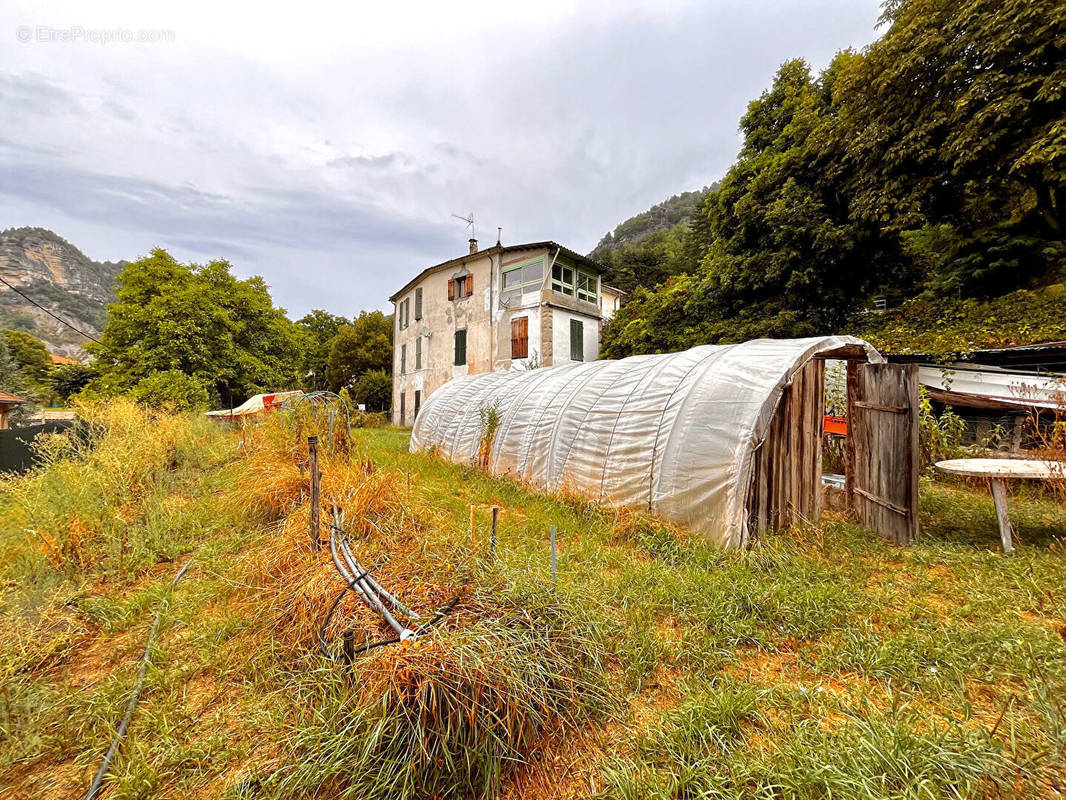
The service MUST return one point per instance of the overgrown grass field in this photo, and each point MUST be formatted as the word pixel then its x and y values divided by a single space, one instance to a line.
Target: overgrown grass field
pixel 823 662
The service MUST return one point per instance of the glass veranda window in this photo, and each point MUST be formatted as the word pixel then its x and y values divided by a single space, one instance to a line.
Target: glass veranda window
pixel 522 278
pixel 563 279
pixel 586 287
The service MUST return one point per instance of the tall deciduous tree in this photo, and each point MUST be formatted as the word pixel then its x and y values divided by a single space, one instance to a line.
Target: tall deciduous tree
pixel 364 345
pixel 956 117
pixel 933 163
pixel 197 321
pixel 30 354
pixel 13 380
pixel 321 327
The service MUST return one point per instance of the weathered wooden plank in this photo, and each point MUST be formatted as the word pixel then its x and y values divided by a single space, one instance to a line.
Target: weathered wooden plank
pixel 884 438
pixel 879 407
pixel 849 440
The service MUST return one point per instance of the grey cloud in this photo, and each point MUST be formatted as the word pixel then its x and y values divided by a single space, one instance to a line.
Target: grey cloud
pixel 34 93
pixel 268 216
pixel 559 132
pixel 370 162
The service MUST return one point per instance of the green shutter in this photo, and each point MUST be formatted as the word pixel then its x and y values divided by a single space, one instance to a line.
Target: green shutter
pixel 418 304
pixel 418 352
pixel 403 359
pixel 460 348
pixel 577 340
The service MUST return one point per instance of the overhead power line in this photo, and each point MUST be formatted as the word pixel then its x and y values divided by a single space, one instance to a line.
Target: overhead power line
pixel 49 313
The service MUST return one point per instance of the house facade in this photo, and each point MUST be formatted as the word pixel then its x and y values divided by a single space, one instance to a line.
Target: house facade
pixel 505 307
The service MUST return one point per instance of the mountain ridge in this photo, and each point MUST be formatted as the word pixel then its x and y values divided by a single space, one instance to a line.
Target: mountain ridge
pixel 53 272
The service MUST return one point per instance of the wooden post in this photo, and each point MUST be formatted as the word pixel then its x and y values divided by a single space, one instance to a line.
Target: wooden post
pixel 349 646
pixel 854 430
pixel 1006 532
pixel 473 538
pixel 555 565
pixel 492 538
pixel 316 477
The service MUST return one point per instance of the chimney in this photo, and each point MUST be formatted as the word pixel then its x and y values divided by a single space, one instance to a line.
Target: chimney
pixel 473 246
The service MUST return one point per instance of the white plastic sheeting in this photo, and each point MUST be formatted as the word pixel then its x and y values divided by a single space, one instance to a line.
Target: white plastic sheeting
pixel 671 433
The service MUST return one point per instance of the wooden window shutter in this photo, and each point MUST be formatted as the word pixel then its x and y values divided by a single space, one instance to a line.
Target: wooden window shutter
pixel 460 348
pixel 577 340
pixel 469 285
pixel 451 289
pixel 418 303
pixel 520 337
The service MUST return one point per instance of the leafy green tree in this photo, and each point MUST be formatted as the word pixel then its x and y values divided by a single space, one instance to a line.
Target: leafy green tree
pixel 373 389
pixel 200 321
pixel 13 381
pixel 364 345
pixel 933 163
pixel 69 379
pixel 321 327
pixel 30 354
pixel 647 261
pixel 955 117
pixel 172 390
pixel 957 112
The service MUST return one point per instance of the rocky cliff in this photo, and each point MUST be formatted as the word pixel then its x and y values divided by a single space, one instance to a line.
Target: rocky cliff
pixel 61 278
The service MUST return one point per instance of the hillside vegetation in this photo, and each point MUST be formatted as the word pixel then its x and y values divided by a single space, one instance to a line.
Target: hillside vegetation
pixel 821 662
pixel 648 248
pixel 929 167
pixel 57 275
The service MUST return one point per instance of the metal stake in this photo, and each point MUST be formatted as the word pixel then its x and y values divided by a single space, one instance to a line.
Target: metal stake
pixel 492 538
pixel 316 477
pixel 555 566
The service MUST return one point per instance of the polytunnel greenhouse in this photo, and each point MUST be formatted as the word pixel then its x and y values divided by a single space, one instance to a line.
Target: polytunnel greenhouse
pixel 724 439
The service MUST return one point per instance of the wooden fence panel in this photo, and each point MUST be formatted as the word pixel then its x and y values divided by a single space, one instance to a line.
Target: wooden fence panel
pixel 787 475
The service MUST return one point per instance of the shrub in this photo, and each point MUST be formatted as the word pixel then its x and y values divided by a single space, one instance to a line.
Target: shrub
pixel 172 390
pixel 373 390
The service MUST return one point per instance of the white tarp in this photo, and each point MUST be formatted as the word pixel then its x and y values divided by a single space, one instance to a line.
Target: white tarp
pixel 255 404
pixel 671 433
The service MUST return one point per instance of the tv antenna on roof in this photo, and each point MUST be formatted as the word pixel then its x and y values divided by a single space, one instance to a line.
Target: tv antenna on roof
pixel 469 221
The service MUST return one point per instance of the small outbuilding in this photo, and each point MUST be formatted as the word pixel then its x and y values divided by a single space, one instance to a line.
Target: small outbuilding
pixel 724 439
pixel 8 403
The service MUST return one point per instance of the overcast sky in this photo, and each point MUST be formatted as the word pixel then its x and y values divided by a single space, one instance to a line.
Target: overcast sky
pixel 325 145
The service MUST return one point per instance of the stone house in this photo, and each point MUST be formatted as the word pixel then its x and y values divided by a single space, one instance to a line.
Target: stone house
pixel 505 307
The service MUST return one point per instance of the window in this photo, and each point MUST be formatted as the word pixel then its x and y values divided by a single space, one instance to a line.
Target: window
pixel 460 287
pixel 574 282
pixel 403 359
pixel 405 313
pixel 563 279
pixel 418 303
pixel 403 408
pixel 418 402
pixel 521 278
pixel 460 348
pixel 520 337
pixel 586 287
pixel 418 353
pixel 577 340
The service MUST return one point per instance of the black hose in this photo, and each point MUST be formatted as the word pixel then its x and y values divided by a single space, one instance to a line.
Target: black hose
pixel 94 789
pixel 366 648
pixel 322 646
